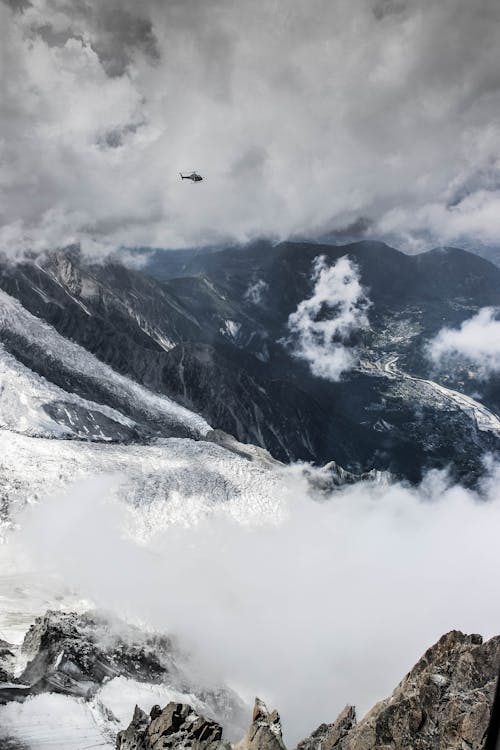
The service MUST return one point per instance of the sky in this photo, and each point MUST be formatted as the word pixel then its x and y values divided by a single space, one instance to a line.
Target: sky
pixel 306 118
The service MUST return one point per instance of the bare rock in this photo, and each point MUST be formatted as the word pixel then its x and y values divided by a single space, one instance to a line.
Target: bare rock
pixel 443 703
pixel 134 737
pixel 75 653
pixel 264 732
pixel 177 726
pixel 330 736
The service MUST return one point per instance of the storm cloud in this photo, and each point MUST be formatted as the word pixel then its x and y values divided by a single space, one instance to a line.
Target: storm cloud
pixel 306 118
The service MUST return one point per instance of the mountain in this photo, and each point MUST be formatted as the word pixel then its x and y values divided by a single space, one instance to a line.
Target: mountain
pixel 212 341
pixel 100 665
pixel 103 667
pixel 444 703
pixel 137 400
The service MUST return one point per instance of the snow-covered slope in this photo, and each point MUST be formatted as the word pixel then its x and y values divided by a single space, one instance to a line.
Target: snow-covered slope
pixel 52 722
pixel 54 443
pixel 69 358
pixel 174 479
pixel 32 405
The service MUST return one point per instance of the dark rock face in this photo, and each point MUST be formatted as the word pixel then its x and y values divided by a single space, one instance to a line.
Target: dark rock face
pixel 176 726
pixel 76 654
pixel 444 703
pixel 6 661
pixel 179 726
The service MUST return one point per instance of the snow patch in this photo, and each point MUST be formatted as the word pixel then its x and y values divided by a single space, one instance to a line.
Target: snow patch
pixel 230 328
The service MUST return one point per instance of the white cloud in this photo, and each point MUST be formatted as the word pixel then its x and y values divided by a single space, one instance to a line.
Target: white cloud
pixel 330 603
pixel 302 116
pixel 323 325
pixel 256 292
pixel 476 340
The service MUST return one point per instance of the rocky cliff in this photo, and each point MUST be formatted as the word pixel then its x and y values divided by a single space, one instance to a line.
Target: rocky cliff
pixel 443 703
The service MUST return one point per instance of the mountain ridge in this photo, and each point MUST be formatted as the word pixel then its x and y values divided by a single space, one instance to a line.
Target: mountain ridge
pixel 204 341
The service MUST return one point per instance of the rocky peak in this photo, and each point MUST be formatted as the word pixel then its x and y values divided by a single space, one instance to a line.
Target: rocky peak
pixel 180 726
pixel 73 654
pixel 329 736
pixel 78 654
pixel 264 732
pixel 176 726
pixel 443 703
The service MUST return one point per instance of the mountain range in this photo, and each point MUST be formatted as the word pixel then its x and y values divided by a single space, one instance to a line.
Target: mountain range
pixel 209 331
pixel 174 384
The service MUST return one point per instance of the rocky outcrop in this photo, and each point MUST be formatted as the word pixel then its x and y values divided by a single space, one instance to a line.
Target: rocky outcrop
pixel 329 736
pixel 76 654
pixel 6 661
pixel 264 732
pixel 444 703
pixel 176 726
pixel 73 654
pixel 179 726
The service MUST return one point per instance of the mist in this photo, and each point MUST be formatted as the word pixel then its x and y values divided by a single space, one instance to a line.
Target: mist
pixel 329 602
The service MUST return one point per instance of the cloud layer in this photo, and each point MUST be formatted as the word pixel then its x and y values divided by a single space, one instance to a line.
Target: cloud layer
pixel 477 341
pixel 304 117
pixel 331 603
pixel 323 326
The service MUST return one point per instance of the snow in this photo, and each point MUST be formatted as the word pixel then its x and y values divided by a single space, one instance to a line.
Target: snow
pixel 175 480
pixel 23 395
pixel 231 328
pixel 256 292
pixel 15 318
pixel 121 695
pixel 53 722
pixel 172 481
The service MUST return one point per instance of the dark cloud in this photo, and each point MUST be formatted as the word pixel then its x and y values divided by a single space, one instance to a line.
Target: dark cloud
pixel 17 5
pixel 316 113
pixel 113 32
pixel 119 35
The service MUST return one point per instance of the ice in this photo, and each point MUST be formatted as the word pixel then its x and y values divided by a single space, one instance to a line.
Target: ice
pixel 121 695
pixel 53 722
pixel 15 318
pixel 23 395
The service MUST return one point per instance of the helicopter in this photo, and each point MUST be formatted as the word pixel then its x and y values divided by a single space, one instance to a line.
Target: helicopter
pixel 194 176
